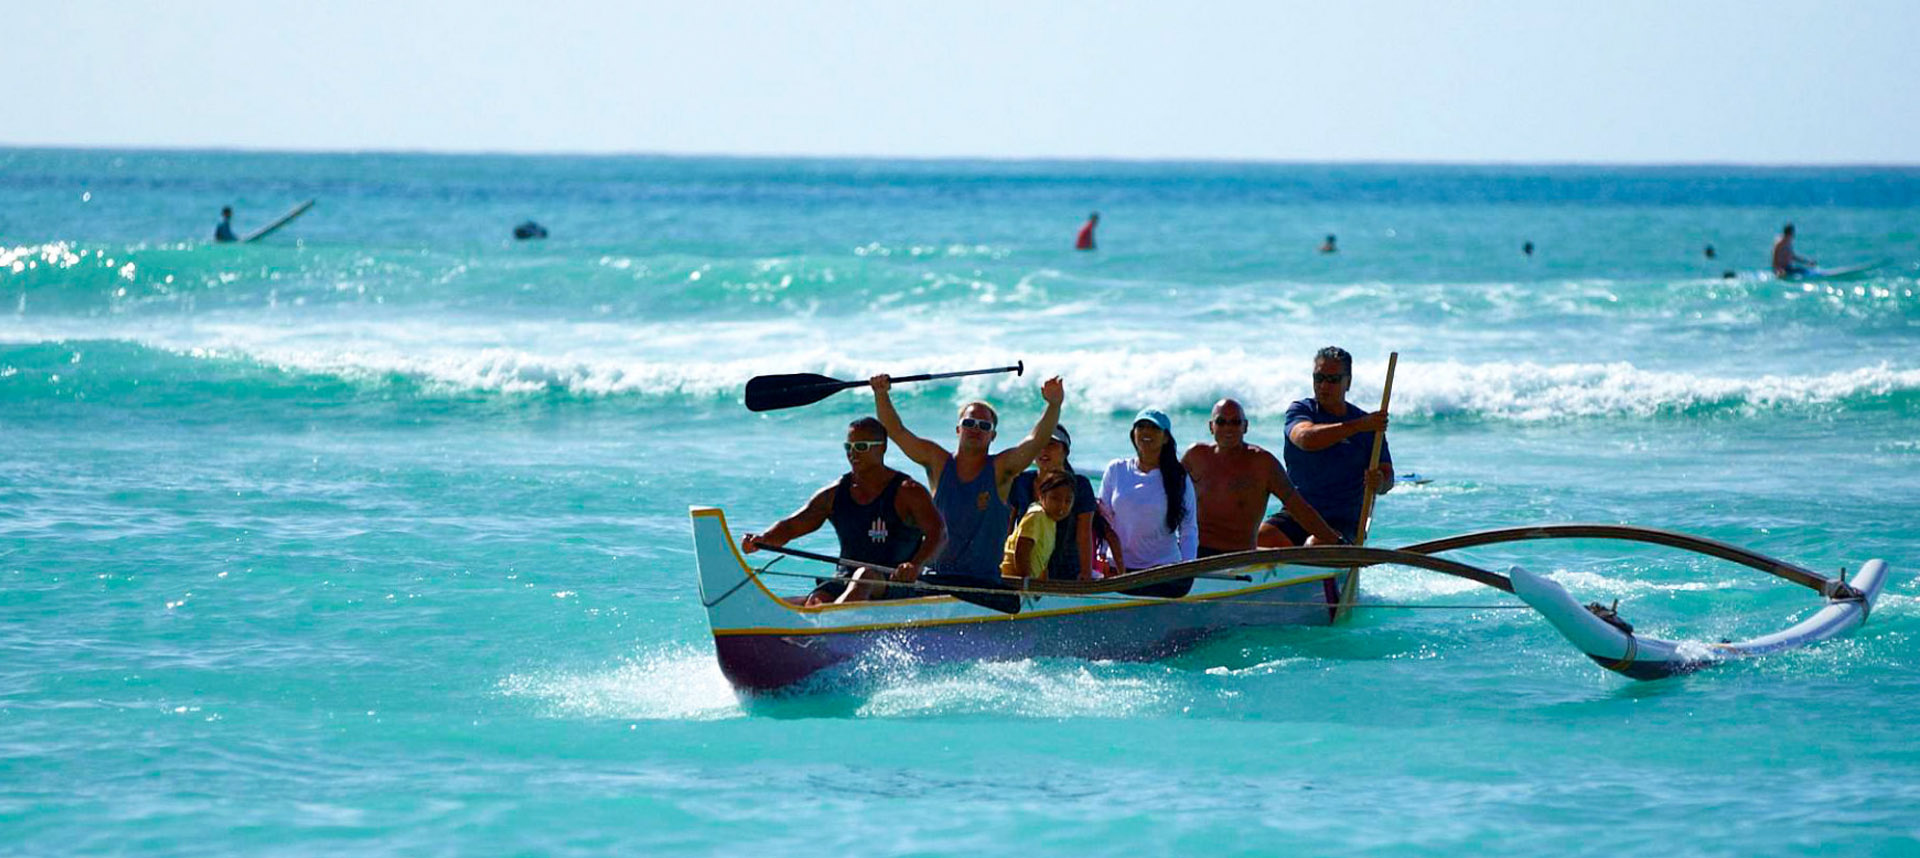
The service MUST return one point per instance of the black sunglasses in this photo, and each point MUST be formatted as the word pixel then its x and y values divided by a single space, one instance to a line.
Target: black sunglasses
pixel 1229 421
pixel 1328 377
pixel 862 446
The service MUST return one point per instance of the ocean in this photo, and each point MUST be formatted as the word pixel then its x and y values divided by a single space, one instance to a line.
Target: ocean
pixel 372 537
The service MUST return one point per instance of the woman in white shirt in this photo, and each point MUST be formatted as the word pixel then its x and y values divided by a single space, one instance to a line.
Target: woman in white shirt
pixel 1152 502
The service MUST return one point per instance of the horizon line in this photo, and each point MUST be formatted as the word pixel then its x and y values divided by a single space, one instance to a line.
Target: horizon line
pixel 1062 159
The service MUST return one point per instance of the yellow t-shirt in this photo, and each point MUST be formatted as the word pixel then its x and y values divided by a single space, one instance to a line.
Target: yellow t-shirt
pixel 1039 527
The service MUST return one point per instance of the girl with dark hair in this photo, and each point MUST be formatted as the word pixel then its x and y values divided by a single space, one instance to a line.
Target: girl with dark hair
pixel 1152 500
pixel 1074 552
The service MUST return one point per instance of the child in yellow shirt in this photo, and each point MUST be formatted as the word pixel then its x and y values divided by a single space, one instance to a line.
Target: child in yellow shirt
pixel 1030 545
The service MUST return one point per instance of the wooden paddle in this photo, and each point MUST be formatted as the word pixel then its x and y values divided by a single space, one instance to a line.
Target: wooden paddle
pixel 772 392
pixel 1350 587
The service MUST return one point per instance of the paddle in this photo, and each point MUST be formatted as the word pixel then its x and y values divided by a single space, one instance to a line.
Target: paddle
pixel 771 392
pixel 1352 583
pixel 982 593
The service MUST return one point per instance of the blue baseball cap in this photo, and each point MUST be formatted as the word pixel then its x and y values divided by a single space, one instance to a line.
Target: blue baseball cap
pixel 1156 417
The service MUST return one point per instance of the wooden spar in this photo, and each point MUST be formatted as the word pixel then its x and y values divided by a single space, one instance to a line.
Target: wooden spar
pixel 1350 587
pixel 1815 581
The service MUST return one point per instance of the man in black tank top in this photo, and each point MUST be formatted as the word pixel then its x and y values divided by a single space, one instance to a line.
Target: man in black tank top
pixel 882 517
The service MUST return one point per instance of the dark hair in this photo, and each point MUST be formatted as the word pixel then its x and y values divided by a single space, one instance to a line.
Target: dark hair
pixel 1173 478
pixel 869 424
pixel 1053 480
pixel 1336 353
pixel 1788 229
pixel 226 211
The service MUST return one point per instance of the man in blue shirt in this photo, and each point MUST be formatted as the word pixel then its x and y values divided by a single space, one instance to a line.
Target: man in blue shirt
pixel 1329 445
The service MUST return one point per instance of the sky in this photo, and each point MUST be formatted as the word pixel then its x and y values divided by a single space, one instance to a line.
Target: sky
pixel 1682 81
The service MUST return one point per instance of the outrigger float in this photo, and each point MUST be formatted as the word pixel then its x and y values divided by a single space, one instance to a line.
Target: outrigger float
pixel 766 642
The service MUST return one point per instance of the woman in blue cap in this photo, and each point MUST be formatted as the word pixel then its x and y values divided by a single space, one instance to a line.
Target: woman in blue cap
pixel 1153 504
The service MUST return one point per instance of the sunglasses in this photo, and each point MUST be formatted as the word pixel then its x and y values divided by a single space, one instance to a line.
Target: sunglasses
pixel 862 446
pixel 972 423
pixel 1328 377
pixel 1229 421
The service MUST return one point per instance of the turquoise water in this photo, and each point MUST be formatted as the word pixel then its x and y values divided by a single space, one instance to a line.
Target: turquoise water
pixel 372 538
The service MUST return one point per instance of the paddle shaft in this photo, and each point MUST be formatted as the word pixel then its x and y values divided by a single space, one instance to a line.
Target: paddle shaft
pixel 1366 501
pixel 1017 369
pixel 842 561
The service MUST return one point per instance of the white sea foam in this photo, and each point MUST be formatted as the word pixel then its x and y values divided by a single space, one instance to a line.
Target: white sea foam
pixel 713 359
pixel 1029 689
pixel 678 684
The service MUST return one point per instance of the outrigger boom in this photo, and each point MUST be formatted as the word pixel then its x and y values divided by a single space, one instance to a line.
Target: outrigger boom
pixel 766 642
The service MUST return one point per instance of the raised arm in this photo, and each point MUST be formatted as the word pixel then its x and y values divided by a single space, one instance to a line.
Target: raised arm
pixel 922 451
pixel 807 520
pixel 1018 457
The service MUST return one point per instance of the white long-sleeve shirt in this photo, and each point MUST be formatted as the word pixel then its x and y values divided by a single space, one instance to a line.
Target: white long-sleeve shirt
pixel 1139 502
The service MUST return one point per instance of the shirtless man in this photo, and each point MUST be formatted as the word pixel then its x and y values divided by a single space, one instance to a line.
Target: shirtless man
pixel 1231 482
pixel 881 515
pixel 1785 262
pixel 970 484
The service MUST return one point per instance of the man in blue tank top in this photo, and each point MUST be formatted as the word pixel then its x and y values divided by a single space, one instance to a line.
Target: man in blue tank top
pixel 881 515
pixel 970 484
pixel 1329 445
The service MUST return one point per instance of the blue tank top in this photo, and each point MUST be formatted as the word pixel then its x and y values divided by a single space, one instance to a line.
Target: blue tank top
pixel 977 521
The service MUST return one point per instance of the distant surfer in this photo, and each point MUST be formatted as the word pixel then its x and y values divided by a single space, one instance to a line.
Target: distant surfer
pixel 1527 249
pixel 529 230
pixel 224 232
pixel 1711 253
pixel 1785 262
pixel 1330 246
pixel 1085 241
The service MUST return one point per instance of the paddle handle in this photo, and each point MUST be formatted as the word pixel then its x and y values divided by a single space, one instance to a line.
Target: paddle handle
pixel 1373 461
pixel 1019 368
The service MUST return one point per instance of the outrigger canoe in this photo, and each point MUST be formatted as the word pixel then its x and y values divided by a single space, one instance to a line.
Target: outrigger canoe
pixel 765 642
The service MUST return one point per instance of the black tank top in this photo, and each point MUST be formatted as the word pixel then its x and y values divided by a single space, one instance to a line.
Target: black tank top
pixel 873 533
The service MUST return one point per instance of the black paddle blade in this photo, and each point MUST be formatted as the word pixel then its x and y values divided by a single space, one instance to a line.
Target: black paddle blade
pixel 773 392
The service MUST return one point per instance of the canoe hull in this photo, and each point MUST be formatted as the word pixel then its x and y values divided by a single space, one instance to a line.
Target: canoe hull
pixel 765 643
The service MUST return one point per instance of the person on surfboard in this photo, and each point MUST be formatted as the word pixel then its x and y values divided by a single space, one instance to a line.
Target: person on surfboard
pixel 224 232
pixel 881 515
pixel 1329 441
pixel 1232 481
pixel 1785 262
pixel 970 484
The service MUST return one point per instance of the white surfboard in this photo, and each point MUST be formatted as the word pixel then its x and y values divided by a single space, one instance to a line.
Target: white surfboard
pixel 284 219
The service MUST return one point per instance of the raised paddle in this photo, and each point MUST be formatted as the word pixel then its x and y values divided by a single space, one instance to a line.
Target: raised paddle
pixel 773 392
pixel 1352 582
